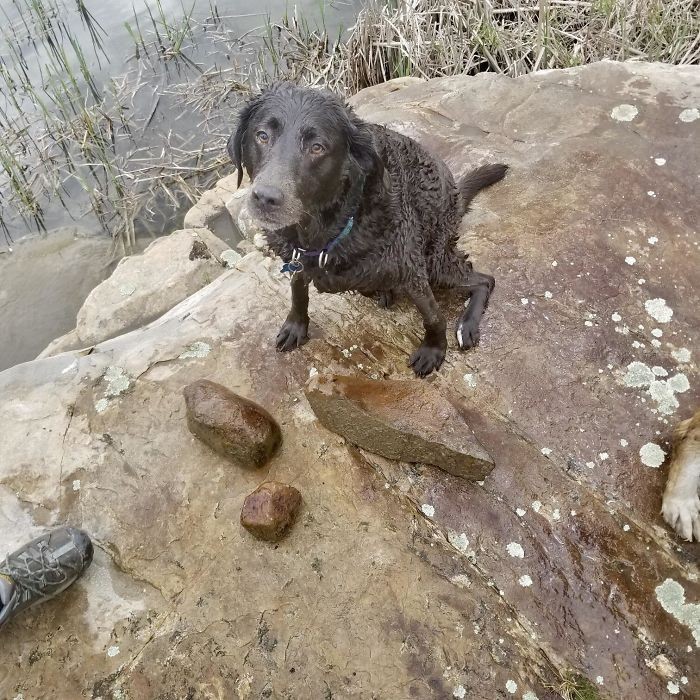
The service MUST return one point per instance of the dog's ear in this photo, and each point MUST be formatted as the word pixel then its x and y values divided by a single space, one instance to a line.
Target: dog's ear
pixel 364 152
pixel 234 146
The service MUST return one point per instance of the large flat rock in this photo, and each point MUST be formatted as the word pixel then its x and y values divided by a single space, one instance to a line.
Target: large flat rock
pixel 402 420
pixel 399 581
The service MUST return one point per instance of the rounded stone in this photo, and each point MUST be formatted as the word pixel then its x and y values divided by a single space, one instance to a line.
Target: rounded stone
pixel 269 511
pixel 231 425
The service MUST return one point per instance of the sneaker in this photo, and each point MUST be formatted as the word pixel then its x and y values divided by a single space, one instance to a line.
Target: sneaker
pixel 42 568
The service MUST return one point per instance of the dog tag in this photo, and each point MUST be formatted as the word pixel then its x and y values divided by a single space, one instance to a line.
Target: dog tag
pixel 292 267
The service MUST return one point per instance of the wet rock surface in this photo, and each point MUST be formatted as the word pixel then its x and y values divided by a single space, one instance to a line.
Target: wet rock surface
pixel 402 420
pixel 231 425
pixel 559 562
pixel 270 510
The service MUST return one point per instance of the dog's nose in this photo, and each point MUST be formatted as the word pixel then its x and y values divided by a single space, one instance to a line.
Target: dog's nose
pixel 267 195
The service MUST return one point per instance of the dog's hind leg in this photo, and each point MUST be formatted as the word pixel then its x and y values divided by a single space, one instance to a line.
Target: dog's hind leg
pixel 459 274
pixel 430 354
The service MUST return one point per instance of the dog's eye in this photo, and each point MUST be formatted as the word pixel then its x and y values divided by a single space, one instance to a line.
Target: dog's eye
pixel 317 148
pixel 262 137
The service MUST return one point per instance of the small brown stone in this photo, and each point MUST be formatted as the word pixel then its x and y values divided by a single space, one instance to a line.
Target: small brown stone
pixel 270 510
pixel 231 425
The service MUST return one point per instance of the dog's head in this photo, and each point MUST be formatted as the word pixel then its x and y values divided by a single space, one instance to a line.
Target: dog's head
pixel 301 148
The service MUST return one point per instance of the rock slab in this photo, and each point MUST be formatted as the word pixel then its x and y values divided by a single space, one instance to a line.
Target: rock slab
pixel 270 510
pixel 407 421
pixel 231 425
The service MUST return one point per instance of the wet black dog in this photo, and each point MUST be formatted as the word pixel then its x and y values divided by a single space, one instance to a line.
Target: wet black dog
pixel 353 206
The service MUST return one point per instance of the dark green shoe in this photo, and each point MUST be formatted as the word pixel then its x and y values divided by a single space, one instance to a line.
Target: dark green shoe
pixel 42 569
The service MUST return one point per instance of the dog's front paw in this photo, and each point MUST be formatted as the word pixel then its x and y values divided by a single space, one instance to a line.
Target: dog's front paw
pixel 426 359
pixel 467 335
pixel 292 335
pixel 682 513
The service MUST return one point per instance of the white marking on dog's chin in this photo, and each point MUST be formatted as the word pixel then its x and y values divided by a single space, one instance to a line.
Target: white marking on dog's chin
pixel 459 337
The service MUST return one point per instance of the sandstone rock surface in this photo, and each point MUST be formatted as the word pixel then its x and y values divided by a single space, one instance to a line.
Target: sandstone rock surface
pixel 404 420
pixel 231 425
pixel 270 510
pixel 559 562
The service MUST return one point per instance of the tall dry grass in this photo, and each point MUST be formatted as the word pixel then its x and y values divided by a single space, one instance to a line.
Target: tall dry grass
pixel 433 38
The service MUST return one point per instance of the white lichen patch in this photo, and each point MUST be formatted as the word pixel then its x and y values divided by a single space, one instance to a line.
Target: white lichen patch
pixel 653 240
pixel 470 381
pixel 616 317
pixel 524 301
pixel 623 442
pixel 599 680
pixel 525 581
pixel 546 451
pixel 652 455
pixel 112 651
pixel 689 115
pixel 651 193
pixel 603 456
pixel 458 541
pixel 428 510
pixel 126 290
pixel 118 381
pixel 76 484
pixel 590 465
pixel 622 329
pixel 511 687
pixel 679 383
pixel 662 391
pixel 589 324
pixel 313 372
pixel 102 405
pixel 230 257
pixel 530 696
pixel 657 332
pixel 658 310
pixel 459 692
pixel 548 295
pixel 626 528
pixel 681 355
pixel 655 343
pixel 461 581
pixel 660 161
pixel 624 113
pixel 198 349
pixel 556 514
pixel 520 512
pixel 630 260
pixel 515 550
pixel 536 505
pixel 673 688
pixel 638 375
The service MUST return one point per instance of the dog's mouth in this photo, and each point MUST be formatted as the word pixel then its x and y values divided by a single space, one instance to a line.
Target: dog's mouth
pixel 272 219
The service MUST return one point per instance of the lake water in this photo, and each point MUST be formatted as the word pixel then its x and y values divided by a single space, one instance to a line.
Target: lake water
pixel 40 290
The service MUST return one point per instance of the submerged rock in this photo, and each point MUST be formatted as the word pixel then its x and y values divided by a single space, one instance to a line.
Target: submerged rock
pixel 231 425
pixel 403 420
pixel 269 511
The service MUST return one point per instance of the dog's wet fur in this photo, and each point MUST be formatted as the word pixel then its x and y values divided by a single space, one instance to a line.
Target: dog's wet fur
pixel 313 164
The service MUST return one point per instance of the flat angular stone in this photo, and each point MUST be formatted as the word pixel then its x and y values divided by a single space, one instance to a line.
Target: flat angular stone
pixel 408 421
pixel 269 511
pixel 231 425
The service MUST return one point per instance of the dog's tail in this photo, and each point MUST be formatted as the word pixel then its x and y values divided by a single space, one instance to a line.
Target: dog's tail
pixel 475 181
